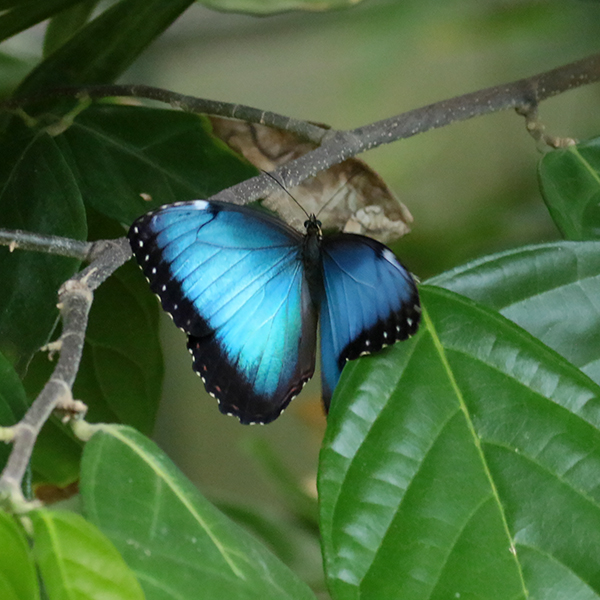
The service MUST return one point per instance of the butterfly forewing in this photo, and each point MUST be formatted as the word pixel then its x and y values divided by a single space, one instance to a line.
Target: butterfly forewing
pixel 233 280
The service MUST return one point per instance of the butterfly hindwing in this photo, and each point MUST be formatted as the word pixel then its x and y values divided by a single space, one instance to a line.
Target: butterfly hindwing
pixel 232 278
pixel 370 301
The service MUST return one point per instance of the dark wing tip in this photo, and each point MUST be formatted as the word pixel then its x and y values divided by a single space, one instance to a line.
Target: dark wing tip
pixel 235 394
pixel 149 256
pixel 399 326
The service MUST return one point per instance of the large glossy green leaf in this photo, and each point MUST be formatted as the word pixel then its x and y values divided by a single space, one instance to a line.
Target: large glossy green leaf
pixel 13 403
pixel 463 463
pixel 570 182
pixel 18 579
pixel 177 543
pixel 266 7
pixel 106 46
pixel 77 562
pixel 38 194
pixel 25 14
pixel 120 152
pixel 551 290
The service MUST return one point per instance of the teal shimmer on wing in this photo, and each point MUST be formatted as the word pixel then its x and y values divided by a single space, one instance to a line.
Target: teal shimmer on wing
pixel 247 286
pixel 262 336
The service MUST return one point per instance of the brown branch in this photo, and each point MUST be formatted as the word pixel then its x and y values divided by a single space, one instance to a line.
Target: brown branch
pixel 75 298
pixel 338 146
pixel 50 244
pixel 304 129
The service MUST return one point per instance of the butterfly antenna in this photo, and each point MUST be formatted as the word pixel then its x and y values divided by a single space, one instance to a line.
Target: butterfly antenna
pixel 285 190
pixel 338 192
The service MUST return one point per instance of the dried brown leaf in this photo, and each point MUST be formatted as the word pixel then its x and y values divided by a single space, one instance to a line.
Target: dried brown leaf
pixel 350 197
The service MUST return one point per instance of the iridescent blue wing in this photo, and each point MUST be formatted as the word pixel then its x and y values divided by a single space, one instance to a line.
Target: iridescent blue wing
pixel 370 301
pixel 232 278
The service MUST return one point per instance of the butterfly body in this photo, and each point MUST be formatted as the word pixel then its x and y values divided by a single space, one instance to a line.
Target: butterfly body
pixel 250 291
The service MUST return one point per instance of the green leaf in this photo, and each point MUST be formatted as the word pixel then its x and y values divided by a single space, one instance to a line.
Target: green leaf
pixel 106 46
pixel 56 455
pixel 13 399
pixel 266 7
pixel 120 152
pixel 8 4
pixel 13 403
pixel 64 25
pixel 462 463
pixel 289 539
pixel 176 542
pixel 39 194
pixel 272 530
pixel 121 371
pixel 77 561
pixel 570 182
pixel 18 579
pixel 13 70
pixel 26 14
pixel 551 290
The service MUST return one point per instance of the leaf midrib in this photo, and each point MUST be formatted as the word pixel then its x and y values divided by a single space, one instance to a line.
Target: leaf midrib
pixel 164 476
pixel 476 441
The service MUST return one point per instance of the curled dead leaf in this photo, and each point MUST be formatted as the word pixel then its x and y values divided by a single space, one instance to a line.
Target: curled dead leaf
pixel 350 197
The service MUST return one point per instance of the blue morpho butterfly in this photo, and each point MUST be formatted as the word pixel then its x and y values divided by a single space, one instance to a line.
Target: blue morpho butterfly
pixel 248 290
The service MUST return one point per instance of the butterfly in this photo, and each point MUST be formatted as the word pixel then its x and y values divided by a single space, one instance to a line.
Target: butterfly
pixel 250 292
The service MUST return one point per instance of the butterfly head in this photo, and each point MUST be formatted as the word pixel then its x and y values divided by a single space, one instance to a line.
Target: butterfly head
pixel 313 227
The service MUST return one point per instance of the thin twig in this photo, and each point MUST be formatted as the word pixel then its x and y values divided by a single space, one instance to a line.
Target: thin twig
pixel 537 130
pixel 50 244
pixel 304 129
pixel 75 298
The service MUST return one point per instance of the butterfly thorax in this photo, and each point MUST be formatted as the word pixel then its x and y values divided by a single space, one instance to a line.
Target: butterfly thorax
pixel 311 256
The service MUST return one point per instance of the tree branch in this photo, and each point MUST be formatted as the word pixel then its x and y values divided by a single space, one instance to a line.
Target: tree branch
pixel 51 244
pixel 75 298
pixel 338 146
pixel 304 129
